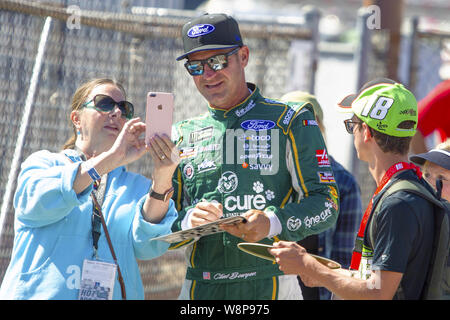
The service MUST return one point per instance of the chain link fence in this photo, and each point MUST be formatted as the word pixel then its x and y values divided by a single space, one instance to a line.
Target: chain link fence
pixel 426 51
pixel 137 50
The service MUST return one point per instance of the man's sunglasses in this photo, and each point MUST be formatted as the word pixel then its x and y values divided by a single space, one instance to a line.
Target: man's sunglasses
pixel 350 125
pixel 216 63
pixel 105 103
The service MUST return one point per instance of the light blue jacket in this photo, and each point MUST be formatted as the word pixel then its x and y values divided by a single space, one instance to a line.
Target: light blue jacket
pixel 53 230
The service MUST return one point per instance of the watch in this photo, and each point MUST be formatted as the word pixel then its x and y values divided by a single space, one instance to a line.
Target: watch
pixel 164 196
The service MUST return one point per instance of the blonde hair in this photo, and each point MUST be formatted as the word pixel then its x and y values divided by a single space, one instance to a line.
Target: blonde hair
pixel 303 96
pixel 444 145
pixel 79 98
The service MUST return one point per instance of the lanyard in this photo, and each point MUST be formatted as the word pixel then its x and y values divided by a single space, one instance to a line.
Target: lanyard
pixel 398 167
pixel 96 218
pixel 99 192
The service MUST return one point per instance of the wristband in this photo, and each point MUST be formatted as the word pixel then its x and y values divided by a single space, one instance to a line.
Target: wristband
pixel 275 224
pixel 93 173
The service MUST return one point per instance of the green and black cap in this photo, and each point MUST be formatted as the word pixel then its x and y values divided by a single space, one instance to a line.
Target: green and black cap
pixel 383 105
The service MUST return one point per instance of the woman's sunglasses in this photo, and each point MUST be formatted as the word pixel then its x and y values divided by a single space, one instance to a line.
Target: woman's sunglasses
pixel 104 103
pixel 216 63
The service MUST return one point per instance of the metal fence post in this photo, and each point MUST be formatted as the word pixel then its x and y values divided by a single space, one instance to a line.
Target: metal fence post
pixel 15 163
pixel 364 47
pixel 312 20
pixel 410 55
pixel 362 62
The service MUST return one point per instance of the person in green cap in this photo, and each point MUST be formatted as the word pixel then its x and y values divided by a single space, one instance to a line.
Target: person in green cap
pixel 393 245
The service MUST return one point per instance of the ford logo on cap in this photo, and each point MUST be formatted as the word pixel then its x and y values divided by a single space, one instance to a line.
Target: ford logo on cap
pixel 257 125
pixel 200 30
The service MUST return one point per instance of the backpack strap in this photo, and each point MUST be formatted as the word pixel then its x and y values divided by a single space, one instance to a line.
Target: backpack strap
pixel 399 185
pixel 414 187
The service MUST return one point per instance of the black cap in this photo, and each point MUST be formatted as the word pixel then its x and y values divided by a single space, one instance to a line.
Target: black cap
pixel 210 32
pixel 436 156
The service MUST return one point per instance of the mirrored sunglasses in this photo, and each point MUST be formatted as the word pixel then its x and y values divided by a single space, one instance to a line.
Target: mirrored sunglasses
pixel 104 103
pixel 216 63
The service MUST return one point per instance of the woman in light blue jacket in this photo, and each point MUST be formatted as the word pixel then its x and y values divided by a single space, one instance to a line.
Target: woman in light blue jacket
pixel 55 250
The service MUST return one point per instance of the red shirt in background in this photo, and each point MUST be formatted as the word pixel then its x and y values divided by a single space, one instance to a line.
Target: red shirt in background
pixel 434 111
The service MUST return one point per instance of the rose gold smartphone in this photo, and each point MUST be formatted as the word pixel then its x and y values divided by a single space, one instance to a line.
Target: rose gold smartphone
pixel 159 114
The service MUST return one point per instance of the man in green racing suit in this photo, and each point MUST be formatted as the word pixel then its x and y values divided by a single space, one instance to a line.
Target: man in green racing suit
pixel 259 158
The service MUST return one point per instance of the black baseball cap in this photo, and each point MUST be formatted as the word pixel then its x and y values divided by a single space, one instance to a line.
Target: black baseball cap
pixel 210 32
pixel 436 156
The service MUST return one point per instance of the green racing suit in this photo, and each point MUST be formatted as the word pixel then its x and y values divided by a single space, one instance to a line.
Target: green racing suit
pixel 261 154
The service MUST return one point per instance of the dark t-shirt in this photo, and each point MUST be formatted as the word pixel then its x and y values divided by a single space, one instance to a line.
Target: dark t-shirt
pixel 403 237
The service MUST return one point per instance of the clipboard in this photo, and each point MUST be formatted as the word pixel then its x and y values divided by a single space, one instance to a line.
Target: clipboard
pixel 260 250
pixel 200 231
